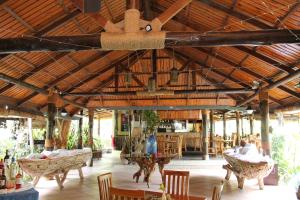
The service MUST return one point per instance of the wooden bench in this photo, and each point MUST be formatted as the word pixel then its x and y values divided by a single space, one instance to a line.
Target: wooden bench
pixel 247 170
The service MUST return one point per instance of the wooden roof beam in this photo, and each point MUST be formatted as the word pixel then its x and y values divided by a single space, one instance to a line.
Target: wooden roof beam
pixel 278 83
pixel 291 11
pixel 133 58
pixel 34 88
pixel 64 76
pixel 179 57
pixel 19 19
pixel 33 71
pixel 176 92
pixel 253 53
pixel 236 14
pixel 248 71
pixel 172 39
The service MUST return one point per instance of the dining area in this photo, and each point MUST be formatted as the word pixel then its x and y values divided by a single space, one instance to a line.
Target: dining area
pixel 175 186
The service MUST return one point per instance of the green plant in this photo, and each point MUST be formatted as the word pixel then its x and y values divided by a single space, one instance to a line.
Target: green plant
pixel 152 120
pixel 285 152
pixel 97 144
pixel 72 139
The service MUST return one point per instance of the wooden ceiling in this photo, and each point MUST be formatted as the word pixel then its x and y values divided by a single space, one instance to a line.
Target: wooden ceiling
pixel 201 68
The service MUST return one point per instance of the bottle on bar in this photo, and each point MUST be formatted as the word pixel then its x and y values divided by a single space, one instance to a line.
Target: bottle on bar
pixel 2 179
pixel 13 169
pixel 19 180
pixel 6 158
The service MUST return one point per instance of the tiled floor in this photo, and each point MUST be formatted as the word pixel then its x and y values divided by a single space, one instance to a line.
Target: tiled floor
pixel 204 175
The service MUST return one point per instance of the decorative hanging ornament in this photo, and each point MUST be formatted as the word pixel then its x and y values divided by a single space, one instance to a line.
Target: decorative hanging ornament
pixel 151 84
pixel 174 75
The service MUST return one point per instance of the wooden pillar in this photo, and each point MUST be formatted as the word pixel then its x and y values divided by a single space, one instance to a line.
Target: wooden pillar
pixel 79 144
pixel 212 127
pixel 91 126
pixel 242 126
pixel 264 113
pixel 29 125
pixel 251 118
pixel 224 126
pixel 238 133
pixel 49 145
pixel 64 133
pixel 205 134
pixel 99 126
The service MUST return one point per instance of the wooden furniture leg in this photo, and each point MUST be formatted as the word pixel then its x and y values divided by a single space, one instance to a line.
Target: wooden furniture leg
pixel 64 177
pixel 80 173
pixel 240 182
pixel 60 184
pixel 36 180
pixel 137 174
pixel 261 183
pixel 229 172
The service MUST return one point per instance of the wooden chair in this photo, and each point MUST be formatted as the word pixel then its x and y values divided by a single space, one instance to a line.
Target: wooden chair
pixel 217 192
pixel 125 194
pixel 176 182
pixel 104 183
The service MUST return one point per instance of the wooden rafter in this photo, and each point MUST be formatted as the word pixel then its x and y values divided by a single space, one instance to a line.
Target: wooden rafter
pixel 64 76
pixel 26 85
pixel 277 83
pixel 290 12
pixel 19 19
pixel 33 71
pixel 248 71
pixel 253 53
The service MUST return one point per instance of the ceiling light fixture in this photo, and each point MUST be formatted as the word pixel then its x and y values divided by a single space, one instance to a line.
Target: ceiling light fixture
pixel 63 112
pixel 249 110
pixel 151 84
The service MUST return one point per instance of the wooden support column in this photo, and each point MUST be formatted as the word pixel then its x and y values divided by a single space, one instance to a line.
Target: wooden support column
pixel 242 126
pixel 212 127
pixel 205 134
pixel 99 126
pixel 80 130
pixel 238 133
pixel 91 126
pixel 224 126
pixel 264 113
pixel 251 118
pixel 29 125
pixel 50 123
pixel 64 133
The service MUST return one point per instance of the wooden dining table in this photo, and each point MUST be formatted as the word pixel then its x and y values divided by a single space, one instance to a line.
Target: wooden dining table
pixel 147 164
pixel 152 194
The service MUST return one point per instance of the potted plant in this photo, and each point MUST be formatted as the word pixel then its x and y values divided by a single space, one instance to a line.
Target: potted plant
pixel 97 148
pixel 152 120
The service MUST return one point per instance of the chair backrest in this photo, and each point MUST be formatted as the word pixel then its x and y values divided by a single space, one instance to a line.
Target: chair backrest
pixel 126 194
pixel 176 182
pixel 217 192
pixel 104 183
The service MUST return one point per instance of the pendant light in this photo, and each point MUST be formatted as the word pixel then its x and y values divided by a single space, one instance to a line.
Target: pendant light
pixel 151 84
pixel 174 73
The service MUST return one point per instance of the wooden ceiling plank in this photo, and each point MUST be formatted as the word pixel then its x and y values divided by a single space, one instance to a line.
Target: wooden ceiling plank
pixel 173 10
pixel 34 88
pixel 33 71
pixel 236 14
pixel 248 71
pixel 280 22
pixel 66 75
pixel 19 19
pixel 262 57
pixel 277 83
